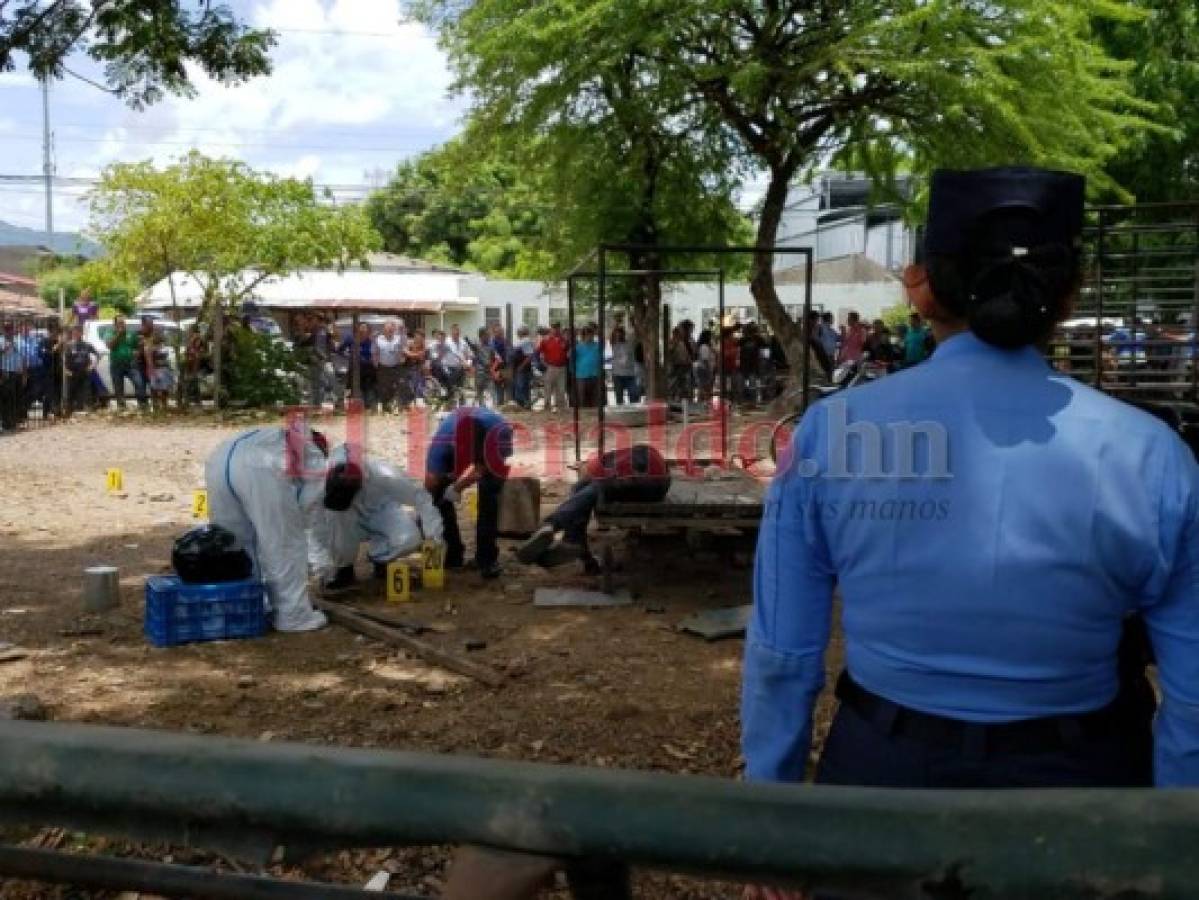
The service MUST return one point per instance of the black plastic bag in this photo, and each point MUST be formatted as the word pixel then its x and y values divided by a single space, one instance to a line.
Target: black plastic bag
pixel 205 555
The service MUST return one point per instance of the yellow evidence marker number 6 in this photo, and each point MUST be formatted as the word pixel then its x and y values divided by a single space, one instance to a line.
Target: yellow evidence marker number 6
pixel 399 582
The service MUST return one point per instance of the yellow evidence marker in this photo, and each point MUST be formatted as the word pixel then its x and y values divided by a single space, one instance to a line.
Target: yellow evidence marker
pixel 432 560
pixel 399 582
pixel 115 481
pixel 472 505
pixel 200 504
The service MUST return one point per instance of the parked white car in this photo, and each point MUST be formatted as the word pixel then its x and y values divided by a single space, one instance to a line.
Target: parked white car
pixel 98 332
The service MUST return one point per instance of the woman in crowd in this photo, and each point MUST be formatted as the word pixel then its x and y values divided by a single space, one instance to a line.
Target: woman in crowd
pixel 415 363
pixel 705 366
pixel 681 359
pixel 160 375
pixel 624 381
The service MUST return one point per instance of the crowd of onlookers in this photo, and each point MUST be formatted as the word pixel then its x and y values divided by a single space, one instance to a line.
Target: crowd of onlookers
pixel 27 381
pixel 47 371
pixel 855 341
pixel 754 363
pixel 398 367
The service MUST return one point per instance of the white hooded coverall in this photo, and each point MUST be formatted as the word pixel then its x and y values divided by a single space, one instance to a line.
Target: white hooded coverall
pixel 380 515
pixel 266 502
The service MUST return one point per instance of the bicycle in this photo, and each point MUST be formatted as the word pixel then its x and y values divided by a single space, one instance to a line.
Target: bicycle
pixel 445 395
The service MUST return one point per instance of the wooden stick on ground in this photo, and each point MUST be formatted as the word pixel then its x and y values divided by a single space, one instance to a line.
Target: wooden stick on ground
pixel 389 635
pixel 408 626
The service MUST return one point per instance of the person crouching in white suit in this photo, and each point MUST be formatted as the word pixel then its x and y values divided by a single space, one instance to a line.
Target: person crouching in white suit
pixel 392 513
pixel 263 485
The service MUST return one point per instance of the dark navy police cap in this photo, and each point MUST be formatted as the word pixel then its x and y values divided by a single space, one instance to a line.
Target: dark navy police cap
pixel 1054 201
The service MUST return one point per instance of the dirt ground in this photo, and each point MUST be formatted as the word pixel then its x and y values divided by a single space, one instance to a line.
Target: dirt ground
pixel 608 687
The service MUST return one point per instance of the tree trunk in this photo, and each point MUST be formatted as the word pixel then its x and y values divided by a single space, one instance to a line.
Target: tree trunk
pixel 180 374
pixel 655 378
pixel 790 333
pixel 647 324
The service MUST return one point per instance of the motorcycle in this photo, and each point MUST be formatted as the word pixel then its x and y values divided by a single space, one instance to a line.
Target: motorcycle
pixel 849 374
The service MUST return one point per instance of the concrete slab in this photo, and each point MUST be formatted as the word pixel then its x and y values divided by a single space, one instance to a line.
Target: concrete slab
pixel 550 598
pixel 717 624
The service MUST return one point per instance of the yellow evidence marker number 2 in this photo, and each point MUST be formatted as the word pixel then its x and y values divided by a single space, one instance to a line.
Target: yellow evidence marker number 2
pixel 200 505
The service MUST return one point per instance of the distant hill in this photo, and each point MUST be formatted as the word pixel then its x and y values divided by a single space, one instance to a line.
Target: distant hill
pixel 63 241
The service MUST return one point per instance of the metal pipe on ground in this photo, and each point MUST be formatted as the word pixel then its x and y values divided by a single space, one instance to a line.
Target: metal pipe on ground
pixel 868 842
pixel 110 873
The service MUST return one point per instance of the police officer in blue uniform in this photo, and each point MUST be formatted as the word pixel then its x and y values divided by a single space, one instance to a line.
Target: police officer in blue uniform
pixel 991 525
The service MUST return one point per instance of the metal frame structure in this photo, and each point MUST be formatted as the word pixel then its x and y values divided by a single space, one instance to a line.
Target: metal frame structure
pixel 577 276
pixel 1140 263
pixel 194 790
pixel 602 273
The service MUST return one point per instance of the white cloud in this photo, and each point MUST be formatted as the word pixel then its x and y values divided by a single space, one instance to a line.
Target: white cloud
pixel 341 101
pixel 325 78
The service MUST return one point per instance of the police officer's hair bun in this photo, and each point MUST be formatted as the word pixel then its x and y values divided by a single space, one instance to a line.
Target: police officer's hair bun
pixel 1010 295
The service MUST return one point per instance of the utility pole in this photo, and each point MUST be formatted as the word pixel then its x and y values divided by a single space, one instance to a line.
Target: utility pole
pixel 48 164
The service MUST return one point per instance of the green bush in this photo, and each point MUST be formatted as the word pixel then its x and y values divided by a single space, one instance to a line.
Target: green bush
pixel 108 289
pixel 259 370
pixel 896 315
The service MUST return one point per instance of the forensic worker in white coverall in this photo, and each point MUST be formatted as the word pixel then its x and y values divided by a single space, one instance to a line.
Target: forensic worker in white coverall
pixel 263 486
pixel 392 513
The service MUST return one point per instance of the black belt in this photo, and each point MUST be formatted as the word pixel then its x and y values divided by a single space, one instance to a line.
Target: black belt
pixel 1027 735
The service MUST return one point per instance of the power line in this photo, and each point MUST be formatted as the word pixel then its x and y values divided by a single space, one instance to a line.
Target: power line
pixel 198 129
pixel 82 184
pixel 346 148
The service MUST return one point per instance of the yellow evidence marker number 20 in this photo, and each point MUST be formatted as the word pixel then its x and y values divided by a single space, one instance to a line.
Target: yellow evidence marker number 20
pixel 433 565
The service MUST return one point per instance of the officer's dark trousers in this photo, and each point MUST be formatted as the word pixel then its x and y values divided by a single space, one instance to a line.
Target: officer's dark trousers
pixel 486 530
pixel 886 747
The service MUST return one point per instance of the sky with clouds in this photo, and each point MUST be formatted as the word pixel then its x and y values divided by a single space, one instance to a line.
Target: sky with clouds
pixel 355 89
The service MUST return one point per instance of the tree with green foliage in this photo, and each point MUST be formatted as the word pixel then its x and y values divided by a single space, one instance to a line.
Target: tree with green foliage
pixel 223 224
pixel 797 84
pixel 904 85
pixel 1160 165
pixel 145 46
pixel 111 290
pixel 457 207
pixel 606 152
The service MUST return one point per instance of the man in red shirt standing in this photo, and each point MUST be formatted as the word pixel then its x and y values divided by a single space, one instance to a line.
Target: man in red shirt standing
pixel 554 350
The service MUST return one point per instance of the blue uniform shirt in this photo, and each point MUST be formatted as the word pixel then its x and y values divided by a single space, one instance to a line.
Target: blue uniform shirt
pixel 452 449
pixel 989 524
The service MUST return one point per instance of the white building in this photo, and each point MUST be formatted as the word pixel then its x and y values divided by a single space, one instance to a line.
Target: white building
pixel 859 252
pixel 861 248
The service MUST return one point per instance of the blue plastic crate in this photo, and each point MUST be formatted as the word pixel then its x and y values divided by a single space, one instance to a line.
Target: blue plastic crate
pixel 179 613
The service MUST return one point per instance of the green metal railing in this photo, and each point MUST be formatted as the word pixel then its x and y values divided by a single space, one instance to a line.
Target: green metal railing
pixel 855 842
